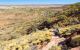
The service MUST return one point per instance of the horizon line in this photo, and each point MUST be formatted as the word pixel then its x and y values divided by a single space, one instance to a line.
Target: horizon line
pixel 41 4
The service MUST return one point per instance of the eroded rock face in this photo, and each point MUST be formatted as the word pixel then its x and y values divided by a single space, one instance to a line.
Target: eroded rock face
pixel 76 48
pixel 72 40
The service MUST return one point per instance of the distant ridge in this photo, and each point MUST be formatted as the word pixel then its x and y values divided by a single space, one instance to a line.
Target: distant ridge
pixel 30 5
pixel 36 5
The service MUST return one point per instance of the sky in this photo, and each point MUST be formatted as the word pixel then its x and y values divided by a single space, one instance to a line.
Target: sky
pixel 6 2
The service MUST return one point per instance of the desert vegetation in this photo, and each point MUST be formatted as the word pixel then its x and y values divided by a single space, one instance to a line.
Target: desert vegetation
pixel 28 28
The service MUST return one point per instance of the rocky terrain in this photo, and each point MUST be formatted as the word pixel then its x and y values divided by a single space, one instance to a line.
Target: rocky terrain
pixel 44 27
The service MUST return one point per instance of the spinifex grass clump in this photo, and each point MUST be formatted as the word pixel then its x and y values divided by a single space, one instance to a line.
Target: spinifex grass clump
pixel 68 29
pixel 55 48
pixel 23 42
